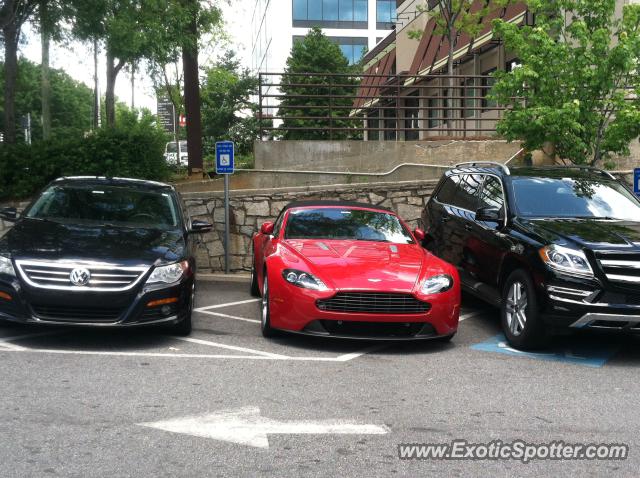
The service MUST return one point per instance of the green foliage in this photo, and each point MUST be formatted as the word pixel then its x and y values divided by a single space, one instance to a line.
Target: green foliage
pixel 228 112
pixel 135 152
pixel 71 101
pixel 572 79
pixel 316 54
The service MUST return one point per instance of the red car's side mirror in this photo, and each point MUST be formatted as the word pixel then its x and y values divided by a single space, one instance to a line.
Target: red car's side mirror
pixel 267 228
pixel 420 235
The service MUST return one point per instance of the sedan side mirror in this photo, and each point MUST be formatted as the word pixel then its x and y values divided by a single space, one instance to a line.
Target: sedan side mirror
pixel 200 227
pixel 9 214
pixel 419 234
pixel 266 228
pixel 488 214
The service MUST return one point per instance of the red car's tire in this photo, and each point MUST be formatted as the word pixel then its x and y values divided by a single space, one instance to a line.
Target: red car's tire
pixel 255 287
pixel 265 315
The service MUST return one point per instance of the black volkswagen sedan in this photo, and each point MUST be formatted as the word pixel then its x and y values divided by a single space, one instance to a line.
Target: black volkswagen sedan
pixel 104 252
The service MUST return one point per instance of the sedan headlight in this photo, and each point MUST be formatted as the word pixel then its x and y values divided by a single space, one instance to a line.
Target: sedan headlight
pixel 168 274
pixel 563 259
pixel 303 279
pixel 437 284
pixel 6 267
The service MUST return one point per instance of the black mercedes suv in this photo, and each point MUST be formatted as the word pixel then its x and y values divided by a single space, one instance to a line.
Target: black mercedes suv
pixel 100 252
pixel 556 248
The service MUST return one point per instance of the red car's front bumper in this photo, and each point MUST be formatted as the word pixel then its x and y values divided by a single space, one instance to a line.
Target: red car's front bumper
pixel 295 309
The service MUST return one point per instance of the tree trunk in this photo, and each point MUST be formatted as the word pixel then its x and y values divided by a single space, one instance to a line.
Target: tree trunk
pixel 11 34
pixel 113 69
pixel 96 92
pixel 46 83
pixel 192 100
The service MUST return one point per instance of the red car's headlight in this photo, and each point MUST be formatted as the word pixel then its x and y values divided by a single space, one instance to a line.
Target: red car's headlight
pixel 437 284
pixel 303 279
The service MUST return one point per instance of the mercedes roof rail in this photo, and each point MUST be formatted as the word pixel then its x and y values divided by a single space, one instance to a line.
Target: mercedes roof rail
pixel 473 164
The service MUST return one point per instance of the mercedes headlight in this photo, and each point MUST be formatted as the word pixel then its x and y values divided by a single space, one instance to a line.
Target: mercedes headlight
pixel 437 284
pixel 303 279
pixel 6 267
pixel 168 274
pixel 563 259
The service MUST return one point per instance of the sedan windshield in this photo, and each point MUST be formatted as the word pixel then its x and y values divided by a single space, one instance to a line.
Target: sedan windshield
pixel 574 198
pixel 339 223
pixel 106 204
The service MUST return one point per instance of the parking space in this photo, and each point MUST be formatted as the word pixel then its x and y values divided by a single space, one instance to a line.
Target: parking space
pixel 227 401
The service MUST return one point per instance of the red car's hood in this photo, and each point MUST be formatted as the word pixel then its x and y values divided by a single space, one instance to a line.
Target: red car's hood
pixel 362 265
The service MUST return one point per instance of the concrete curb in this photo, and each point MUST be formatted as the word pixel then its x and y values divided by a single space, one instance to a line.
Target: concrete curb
pixel 219 277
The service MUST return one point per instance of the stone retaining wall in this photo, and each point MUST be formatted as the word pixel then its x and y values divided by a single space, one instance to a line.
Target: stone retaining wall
pixel 249 209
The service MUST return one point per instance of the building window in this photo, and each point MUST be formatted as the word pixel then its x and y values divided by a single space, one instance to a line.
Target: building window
pixel 411 118
pixel 385 14
pixel 330 13
pixel 389 125
pixel 432 105
pixel 468 93
pixel 373 123
pixel 513 64
pixel 353 48
pixel 487 83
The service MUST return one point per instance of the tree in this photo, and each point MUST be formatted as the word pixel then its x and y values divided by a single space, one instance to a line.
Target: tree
pixel 174 31
pixel 119 25
pixel 227 109
pixel 578 84
pixel 13 15
pixel 70 101
pixel 455 18
pixel 315 53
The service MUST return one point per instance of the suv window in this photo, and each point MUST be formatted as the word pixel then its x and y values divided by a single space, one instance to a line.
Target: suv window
pixel 468 192
pixel 492 194
pixel 447 191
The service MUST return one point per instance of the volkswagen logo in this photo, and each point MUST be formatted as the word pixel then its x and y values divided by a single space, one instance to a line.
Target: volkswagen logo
pixel 80 277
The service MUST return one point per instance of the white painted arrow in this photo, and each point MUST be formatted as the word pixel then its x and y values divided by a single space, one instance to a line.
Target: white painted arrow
pixel 246 426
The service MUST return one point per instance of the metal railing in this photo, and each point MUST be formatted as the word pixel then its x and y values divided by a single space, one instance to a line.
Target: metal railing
pixel 376 107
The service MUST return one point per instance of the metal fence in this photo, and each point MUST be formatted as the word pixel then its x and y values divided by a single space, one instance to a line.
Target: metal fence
pixel 376 107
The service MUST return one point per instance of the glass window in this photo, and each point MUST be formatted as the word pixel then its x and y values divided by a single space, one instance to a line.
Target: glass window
pixel 315 10
pixel 385 13
pixel 106 204
pixel 447 191
pixel 432 105
pixel 299 9
pixel 361 10
pixel 346 224
pixel 574 198
pixel 468 93
pixel 330 13
pixel 487 84
pixel 411 120
pixel 468 192
pixel 492 195
pixel 373 122
pixel 330 10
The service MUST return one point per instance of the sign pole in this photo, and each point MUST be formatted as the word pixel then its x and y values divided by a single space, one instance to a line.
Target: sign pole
pixel 226 224
pixel 225 165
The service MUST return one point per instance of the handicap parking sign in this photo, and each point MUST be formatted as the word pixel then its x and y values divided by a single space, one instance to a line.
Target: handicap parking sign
pixel 636 181
pixel 225 157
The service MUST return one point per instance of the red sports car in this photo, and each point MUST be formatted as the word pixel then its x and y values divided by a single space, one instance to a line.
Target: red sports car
pixel 351 270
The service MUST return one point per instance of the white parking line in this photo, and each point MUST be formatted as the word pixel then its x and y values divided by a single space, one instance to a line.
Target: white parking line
pixel 231 347
pixel 220 306
pixel 473 315
pixel 226 316
pixel 354 355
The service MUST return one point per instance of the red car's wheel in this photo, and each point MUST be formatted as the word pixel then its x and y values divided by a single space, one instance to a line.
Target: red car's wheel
pixel 265 321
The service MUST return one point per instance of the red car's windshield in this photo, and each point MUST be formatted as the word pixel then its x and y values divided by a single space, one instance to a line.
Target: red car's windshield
pixel 345 223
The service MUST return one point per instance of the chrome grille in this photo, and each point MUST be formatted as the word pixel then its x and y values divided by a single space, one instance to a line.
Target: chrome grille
pixel 57 275
pixel 620 267
pixel 373 303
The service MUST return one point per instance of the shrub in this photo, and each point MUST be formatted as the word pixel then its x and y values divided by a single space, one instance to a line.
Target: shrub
pixel 135 153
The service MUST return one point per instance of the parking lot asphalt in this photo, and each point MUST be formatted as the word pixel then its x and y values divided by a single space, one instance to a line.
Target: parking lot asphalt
pixel 227 402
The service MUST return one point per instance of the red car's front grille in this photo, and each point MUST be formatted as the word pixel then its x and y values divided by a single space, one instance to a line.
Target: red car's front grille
pixel 373 303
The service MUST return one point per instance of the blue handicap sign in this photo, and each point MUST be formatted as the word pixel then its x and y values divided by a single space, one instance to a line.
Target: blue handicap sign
pixel 225 157
pixel 636 181
pixel 587 354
